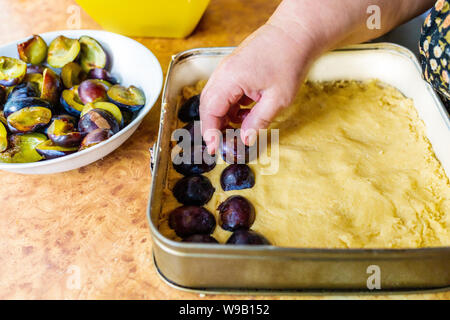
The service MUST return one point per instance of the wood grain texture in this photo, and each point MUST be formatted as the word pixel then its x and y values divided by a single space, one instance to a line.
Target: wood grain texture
pixel 94 218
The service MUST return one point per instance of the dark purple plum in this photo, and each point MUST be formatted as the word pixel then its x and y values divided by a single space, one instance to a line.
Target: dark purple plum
pixel 51 86
pixel 247 237
pixel 50 151
pixel 190 110
pixel 200 238
pixel 95 137
pixel 196 163
pixel 236 213
pixel 66 117
pixel 191 127
pixel 131 98
pixel 13 105
pixel 101 74
pixel 240 116
pixel 71 101
pixel 98 119
pixel 193 190
pixel 191 220
pixel 62 132
pixel 25 90
pixel 234 150
pixel 92 90
pixel 237 177
pixel 29 119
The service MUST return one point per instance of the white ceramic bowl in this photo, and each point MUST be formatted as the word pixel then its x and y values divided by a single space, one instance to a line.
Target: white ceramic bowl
pixel 132 64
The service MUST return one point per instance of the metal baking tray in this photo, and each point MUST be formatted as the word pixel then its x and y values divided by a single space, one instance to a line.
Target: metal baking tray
pixel 247 269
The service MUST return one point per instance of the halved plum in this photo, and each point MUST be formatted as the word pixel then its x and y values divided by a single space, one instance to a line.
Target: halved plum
pixel 62 132
pixel 237 177
pixel 190 128
pixel 51 86
pixel 247 237
pixel 36 78
pixel 101 74
pixel 240 115
pixel 107 106
pixel 190 220
pixel 92 54
pixel 3 137
pixel 98 119
pixel 71 102
pixel 62 51
pixel 33 51
pixel 196 163
pixel 72 75
pixel 234 150
pixel 131 98
pixel 108 85
pixel 193 136
pixel 200 238
pixel 236 213
pixel 95 137
pixel 29 119
pixel 67 118
pixel 49 150
pixel 193 190
pixel 14 105
pixel 91 91
pixel 22 148
pixel 12 71
pixel 189 111
pixel 25 90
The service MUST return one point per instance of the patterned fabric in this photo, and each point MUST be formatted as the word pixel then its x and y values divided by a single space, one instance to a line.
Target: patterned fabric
pixel 435 47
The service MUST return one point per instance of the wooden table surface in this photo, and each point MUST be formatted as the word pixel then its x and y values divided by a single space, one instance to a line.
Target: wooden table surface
pixel 92 222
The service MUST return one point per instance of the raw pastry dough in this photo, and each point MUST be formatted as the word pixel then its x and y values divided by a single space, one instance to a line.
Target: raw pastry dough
pixel 356 171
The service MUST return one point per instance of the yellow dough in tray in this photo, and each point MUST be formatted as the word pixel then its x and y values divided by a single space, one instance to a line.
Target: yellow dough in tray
pixel 355 171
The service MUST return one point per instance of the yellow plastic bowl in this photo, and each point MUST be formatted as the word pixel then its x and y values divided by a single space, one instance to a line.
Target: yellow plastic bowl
pixel 147 18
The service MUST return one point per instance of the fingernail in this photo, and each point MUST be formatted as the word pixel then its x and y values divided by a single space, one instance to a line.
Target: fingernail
pixel 211 149
pixel 250 137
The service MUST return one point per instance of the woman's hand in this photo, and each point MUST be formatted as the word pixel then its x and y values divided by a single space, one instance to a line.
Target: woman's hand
pixel 266 68
pixel 270 64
